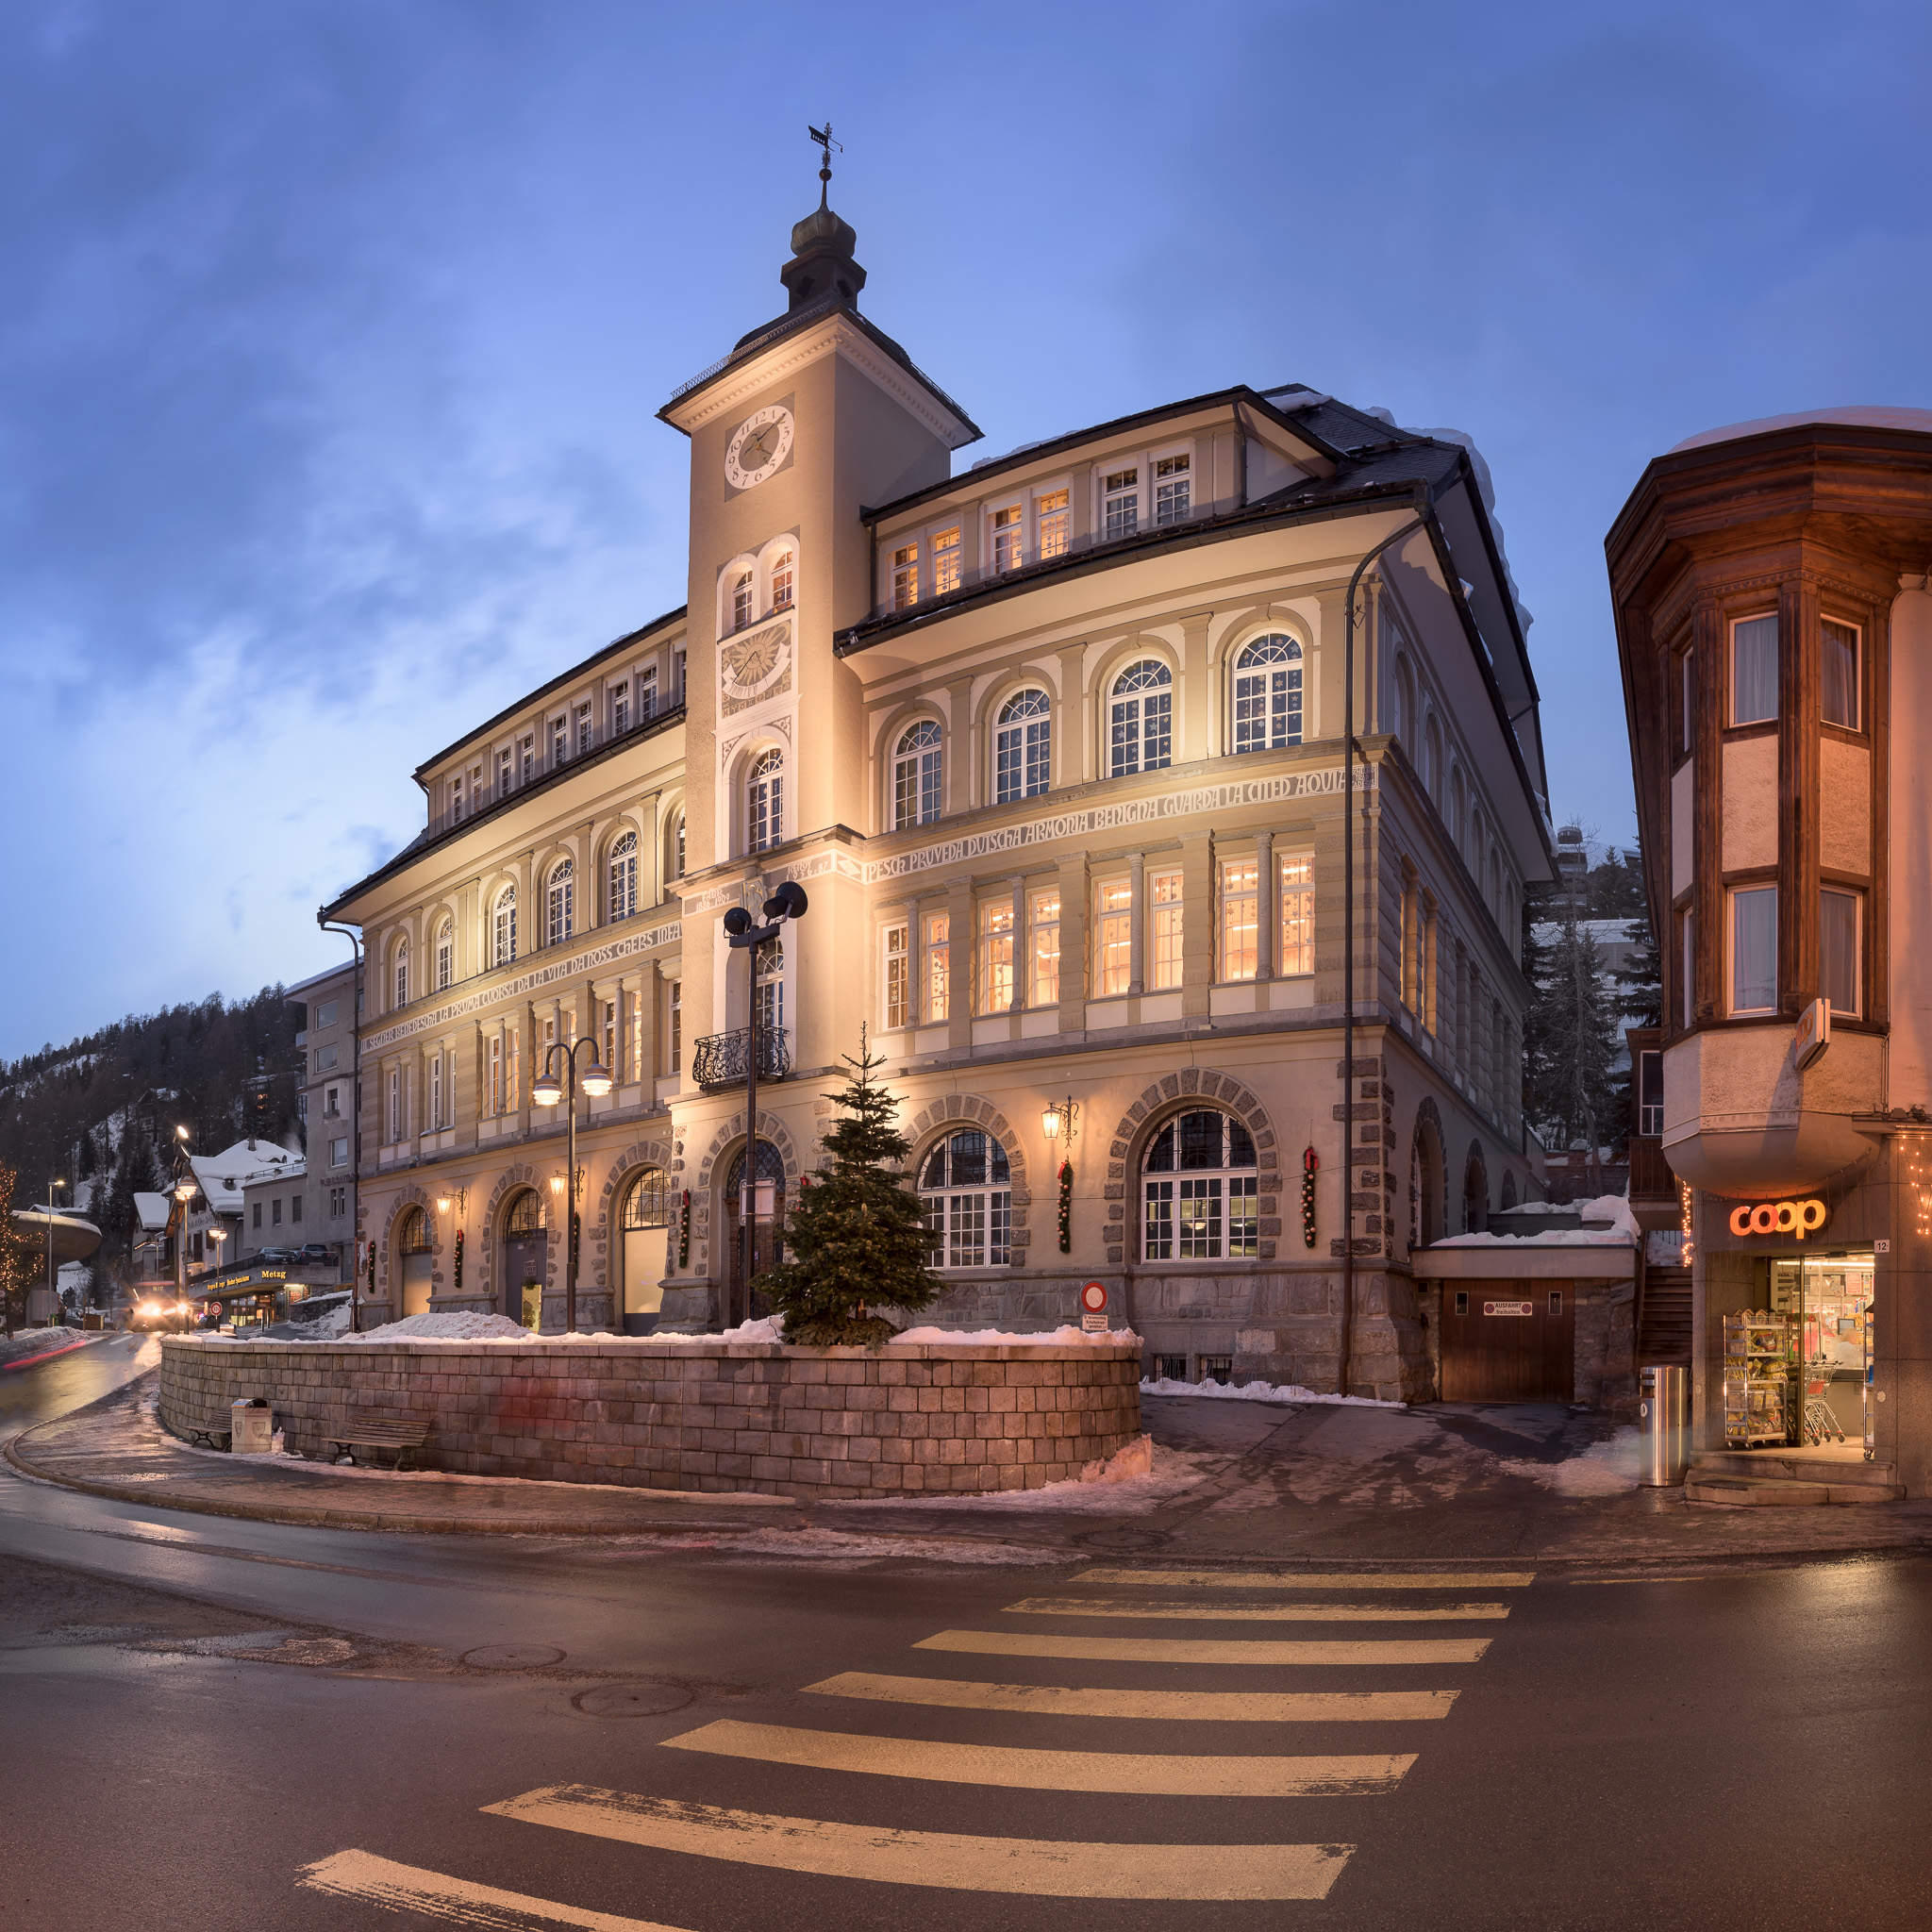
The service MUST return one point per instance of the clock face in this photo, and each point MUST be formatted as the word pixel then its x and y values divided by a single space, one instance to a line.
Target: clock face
pixel 757 446
pixel 752 665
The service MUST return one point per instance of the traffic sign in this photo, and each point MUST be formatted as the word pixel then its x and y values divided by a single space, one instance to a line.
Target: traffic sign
pixel 1093 1298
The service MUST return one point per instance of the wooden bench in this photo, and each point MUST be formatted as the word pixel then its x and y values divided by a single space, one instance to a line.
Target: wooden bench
pixel 376 1435
pixel 207 1433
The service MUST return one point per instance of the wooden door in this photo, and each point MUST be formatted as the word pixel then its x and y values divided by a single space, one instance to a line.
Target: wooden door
pixel 1509 1342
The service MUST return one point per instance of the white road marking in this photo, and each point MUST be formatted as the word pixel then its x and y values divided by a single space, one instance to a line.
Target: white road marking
pixel 456 1901
pixel 1159 1774
pixel 1220 1707
pixel 1257 1613
pixel 1041 1867
pixel 1177 1650
pixel 1283 1580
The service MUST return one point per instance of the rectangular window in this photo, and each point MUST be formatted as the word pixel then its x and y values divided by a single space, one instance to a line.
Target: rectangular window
pixel 526 755
pixel 456 798
pixel 258 1214
pixel 1046 950
pixel 898 977
pixel 1164 889
pixel 1172 490
pixel 325 1058
pixel 677 1026
pixel 505 768
pixel 1753 670
pixel 560 740
pixel 1297 953
pixel 1686 691
pixel 1556 1301
pixel 938 967
pixel 647 693
pixel 395 1106
pixel 1121 503
pixel 611 1063
pixel 339 1152
pixel 583 728
pixel 1687 967
pixel 1115 953
pixel 325 1013
pixel 946 572
pixel 1753 950
pixel 294 1207
pixel 513 1071
pixel 781 581
pixel 996 956
pixel 677 669
pixel 338 1202
pixel 274 1213
pixel 1239 916
pixel 331 1102
pixel 1839 652
pixel 904 577
pixel 1054 518
pixel 436 1093
pixel 619 707
pixel 1008 531
pixel 636 1068
pixel 1838 950
pixel 1650 1092
pixel 495 1075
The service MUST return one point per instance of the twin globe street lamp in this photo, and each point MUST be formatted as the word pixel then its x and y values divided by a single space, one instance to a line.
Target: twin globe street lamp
pixel 547 1091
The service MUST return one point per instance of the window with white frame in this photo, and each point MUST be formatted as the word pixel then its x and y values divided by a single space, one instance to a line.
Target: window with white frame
pixel 898 975
pixel 612 1042
pixel 741 599
pixel 619 707
pixel 771 986
pixel 503 921
pixel 504 770
pixel 675 1023
pixel 585 738
pixel 1046 972
pixel 622 883
pixel 677 848
pixel 1022 747
pixel 1141 720
pixel 781 581
pixel 1164 897
pixel 947 570
pixel 916 775
pixel 1114 956
pixel 939 970
pixel 1120 503
pixel 1200 1190
pixel 1838 935
pixel 904 577
pixel 997 955
pixel 395 1106
pixel 677 671
pixel 1297 953
pixel 455 797
pixel 1268 694
pixel 402 974
pixel 561 903
pixel 1650 1091
pixel 1172 488
pixel 1241 901
pixel 647 693
pixel 560 740
pixel 1753 670
pixel 526 756
pixel 445 955
pixel 436 1121
pixel 1054 524
pixel 765 801
pixel 493 1074
pixel 1839 669
pixel 1754 949
pixel 1008 533
pixel 965 1185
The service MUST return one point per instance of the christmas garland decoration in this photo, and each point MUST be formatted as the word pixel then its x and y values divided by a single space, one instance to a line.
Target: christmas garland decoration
pixel 1066 1207
pixel 1311 1162
pixel 458 1289
pixel 684 1230
pixel 371 1271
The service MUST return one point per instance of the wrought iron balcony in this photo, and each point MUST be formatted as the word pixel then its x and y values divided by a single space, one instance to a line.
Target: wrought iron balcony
pixel 723 1060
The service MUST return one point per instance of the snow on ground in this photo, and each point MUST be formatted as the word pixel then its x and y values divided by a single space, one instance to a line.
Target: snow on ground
pixel 1604 1469
pixel 838 1545
pixel 1175 1470
pixel 1261 1392
pixel 464 1326
pixel 1064 1336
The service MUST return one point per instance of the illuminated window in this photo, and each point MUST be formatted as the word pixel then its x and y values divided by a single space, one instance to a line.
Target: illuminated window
pixel 904 577
pixel 1007 532
pixel 947 572
pixel 1116 950
pixel 781 581
pixel 965 1186
pixel 1200 1190
pixel 1164 892
pixel 1172 490
pixel 1239 918
pixel 622 883
pixel 561 902
pixel 916 776
pixel 764 817
pixel 1046 950
pixel 1297 885
pixel 1053 524
pixel 996 956
pixel 898 977
pixel 1022 747
pixel 938 967
pixel 504 926
pixel 1141 724
pixel 1267 694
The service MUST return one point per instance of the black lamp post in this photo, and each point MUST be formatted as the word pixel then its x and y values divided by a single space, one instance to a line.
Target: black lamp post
pixel 546 1091
pixel 787 902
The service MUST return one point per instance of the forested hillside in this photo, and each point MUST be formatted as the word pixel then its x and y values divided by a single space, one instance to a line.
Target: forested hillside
pixel 100 1111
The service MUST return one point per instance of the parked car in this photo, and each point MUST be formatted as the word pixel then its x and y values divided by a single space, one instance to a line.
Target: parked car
pixel 283 1254
pixel 320 1254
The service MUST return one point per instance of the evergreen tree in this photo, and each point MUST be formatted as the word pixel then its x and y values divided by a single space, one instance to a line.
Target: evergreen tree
pixel 858 1239
pixel 20 1258
pixel 1578 1035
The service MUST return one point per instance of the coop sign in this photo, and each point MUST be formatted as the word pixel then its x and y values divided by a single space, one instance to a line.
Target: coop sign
pixel 1798 1218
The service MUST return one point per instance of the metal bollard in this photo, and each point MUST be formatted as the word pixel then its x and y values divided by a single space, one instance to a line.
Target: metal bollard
pixel 1661 1417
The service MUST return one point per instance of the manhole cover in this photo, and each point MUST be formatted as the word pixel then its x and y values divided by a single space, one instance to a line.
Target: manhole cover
pixel 512 1656
pixel 631 1700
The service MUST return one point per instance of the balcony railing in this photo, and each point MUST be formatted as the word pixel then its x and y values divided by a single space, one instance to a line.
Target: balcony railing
pixel 723 1060
pixel 1650 1172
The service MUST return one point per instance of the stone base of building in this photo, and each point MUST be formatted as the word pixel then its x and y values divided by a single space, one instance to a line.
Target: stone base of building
pixel 835 1423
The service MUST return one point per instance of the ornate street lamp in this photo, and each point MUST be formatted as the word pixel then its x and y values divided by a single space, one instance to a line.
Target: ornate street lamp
pixel 546 1091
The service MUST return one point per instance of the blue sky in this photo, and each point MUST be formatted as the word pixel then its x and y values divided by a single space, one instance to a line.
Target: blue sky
pixel 334 331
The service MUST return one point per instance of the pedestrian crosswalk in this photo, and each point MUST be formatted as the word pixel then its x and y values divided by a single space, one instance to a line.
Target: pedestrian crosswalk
pixel 1185 1676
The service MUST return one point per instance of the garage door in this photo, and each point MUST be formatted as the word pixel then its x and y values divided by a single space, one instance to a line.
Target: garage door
pixel 1509 1342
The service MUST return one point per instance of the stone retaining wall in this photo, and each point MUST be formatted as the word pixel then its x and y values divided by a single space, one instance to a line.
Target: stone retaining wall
pixel 911 1419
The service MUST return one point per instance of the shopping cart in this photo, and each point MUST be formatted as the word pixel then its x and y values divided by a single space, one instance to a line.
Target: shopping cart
pixel 1820 1426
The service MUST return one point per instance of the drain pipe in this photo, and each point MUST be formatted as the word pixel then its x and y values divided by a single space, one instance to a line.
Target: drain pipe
pixel 1348 752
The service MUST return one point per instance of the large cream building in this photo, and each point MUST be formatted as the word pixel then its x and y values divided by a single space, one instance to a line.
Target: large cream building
pixel 1055 746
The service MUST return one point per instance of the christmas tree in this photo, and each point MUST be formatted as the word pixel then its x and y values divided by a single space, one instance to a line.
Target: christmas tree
pixel 858 1239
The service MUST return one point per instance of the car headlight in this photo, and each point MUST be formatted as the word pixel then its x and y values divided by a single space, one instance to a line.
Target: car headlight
pixel 150 1307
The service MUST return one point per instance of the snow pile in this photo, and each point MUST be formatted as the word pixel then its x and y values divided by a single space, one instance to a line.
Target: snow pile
pixel 1604 1469
pixel 1063 1336
pixel 1124 1465
pixel 1262 1392
pixel 1616 1211
pixel 1174 1472
pixel 448 1328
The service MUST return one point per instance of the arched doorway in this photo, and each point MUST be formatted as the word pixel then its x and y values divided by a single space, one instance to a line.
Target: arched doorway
pixel 414 1253
pixel 1425 1185
pixel 643 1249
pixel 771 1236
pixel 526 1255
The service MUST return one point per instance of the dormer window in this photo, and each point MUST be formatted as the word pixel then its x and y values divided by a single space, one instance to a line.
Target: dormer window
pixel 1172 490
pixel 526 756
pixel 502 772
pixel 1121 503
pixel 456 798
pixel 781 581
pixel 947 572
pixel 742 601
pixel 1008 527
pixel 1052 513
pixel 560 740
pixel 583 727
pixel 904 577
pixel 619 707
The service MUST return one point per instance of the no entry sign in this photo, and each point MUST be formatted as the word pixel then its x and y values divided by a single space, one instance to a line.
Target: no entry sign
pixel 1094 1307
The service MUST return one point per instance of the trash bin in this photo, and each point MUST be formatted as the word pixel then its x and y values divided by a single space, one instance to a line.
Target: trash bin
pixel 254 1427
pixel 1661 1419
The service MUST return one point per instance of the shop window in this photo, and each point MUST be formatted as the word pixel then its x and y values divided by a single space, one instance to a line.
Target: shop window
pixel 1199 1190
pixel 1170 1368
pixel 1215 1367
pixel 1753 670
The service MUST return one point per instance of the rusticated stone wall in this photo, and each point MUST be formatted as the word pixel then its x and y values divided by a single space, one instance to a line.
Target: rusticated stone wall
pixel 911 1419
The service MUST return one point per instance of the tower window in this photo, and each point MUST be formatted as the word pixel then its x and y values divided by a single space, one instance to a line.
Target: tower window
pixel 741 602
pixel 764 819
pixel 781 581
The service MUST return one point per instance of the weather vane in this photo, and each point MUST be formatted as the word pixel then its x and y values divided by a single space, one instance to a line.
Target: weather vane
pixel 824 136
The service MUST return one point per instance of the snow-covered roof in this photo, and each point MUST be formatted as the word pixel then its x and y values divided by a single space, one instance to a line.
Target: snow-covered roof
pixel 223 1176
pixel 1852 415
pixel 1621 1231
pixel 151 1210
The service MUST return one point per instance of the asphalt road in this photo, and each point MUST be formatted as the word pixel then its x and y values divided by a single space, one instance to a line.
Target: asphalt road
pixel 217 1725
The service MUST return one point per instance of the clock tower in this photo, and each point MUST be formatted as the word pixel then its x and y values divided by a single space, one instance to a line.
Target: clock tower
pixel 808 420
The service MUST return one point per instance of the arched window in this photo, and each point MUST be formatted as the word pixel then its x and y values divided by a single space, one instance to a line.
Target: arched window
pixel 764 802
pixel 1022 747
pixel 771 986
pixel 1140 722
pixel 1403 723
pixel 525 1215
pixel 650 1202
pixel 916 776
pixel 503 922
pixel 781 581
pixel 1432 761
pixel 412 1234
pixel 1267 694
pixel 1200 1189
pixel 965 1185
pixel 402 973
pixel 445 955
pixel 644 1224
pixel 415 1261
pixel 742 601
pixel 562 902
pixel 623 899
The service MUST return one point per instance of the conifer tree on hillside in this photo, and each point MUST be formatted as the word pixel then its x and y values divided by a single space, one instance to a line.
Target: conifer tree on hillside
pixel 1578 1032
pixel 20 1258
pixel 858 1239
